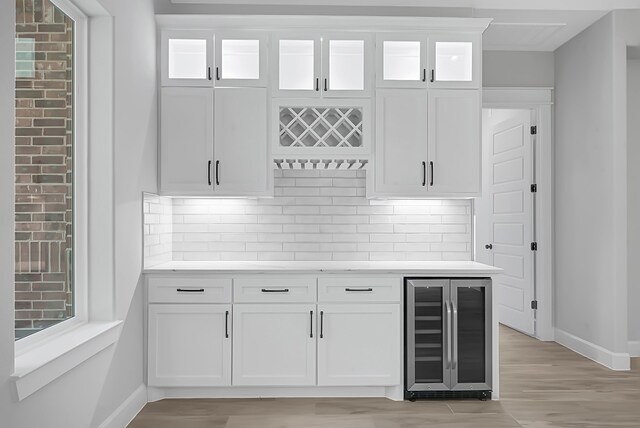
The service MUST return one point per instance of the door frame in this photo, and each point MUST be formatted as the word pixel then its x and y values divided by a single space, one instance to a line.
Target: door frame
pixel 539 100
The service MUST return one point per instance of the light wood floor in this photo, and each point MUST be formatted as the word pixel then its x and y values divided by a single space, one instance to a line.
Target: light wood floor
pixel 542 385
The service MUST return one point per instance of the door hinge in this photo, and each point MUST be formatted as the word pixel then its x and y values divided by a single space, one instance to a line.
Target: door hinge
pixel 534 130
pixel 534 304
pixel 534 188
pixel 534 246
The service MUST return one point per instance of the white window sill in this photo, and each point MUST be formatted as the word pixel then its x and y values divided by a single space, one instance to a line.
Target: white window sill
pixel 44 363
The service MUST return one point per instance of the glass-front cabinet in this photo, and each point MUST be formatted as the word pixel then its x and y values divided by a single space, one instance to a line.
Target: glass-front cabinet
pixel 454 60
pixel 187 58
pixel 241 59
pixel 296 65
pixel 401 60
pixel 346 67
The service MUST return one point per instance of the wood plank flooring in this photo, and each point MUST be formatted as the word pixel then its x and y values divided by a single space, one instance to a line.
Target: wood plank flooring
pixel 542 385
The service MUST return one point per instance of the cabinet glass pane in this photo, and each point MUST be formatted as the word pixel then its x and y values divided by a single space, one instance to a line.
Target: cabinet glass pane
pixel 187 59
pixel 428 335
pixel 454 61
pixel 240 59
pixel 401 60
pixel 296 64
pixel 471 335
pixel 346 65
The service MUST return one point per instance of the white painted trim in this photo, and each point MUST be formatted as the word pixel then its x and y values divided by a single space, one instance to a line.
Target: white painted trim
pixel 42 364
pixel 128 410
pixel 634 348
pixel 612 360
pixel 540 100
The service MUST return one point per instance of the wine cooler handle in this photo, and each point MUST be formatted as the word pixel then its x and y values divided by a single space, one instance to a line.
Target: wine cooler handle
pixel 454 336
pixel 449 337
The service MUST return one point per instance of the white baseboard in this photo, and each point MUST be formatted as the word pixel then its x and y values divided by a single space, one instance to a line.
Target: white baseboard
pixel 128 410
pixel 634 348
pixel 612 360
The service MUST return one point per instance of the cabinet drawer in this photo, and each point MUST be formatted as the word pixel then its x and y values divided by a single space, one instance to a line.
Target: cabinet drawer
pixel 282 290
pixel 189 290
pixel 359 289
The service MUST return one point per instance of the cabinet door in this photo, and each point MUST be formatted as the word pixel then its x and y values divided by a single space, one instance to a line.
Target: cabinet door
pixel 359 344
pixel 401 61
pixel 471 334
pixel 189 345
pixel 401 145
pixel 454 61
pixel 296 65
pixel 186 141
pixel 241 59
pixel 186 58
pixel 274 344
pixel 241 149
pixel 454 142
pixel 346 65
pixel 427 335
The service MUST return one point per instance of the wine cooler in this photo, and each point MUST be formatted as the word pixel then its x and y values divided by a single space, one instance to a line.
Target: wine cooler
pixel 448 338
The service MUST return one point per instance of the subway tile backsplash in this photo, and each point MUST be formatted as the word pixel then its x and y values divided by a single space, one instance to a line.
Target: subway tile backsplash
pixel 315 215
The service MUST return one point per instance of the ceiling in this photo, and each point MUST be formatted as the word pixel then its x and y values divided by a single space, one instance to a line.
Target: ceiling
pixel 520 25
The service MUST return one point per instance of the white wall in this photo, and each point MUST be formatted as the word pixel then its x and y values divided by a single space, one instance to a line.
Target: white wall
pixel 633 195
pixel 86 395
pixel 590 200
pixel 518 69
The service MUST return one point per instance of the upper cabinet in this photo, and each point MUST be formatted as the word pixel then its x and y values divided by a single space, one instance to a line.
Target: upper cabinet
pixel 312 65
pixel 241 59
pixel 186 58
pixel 419 60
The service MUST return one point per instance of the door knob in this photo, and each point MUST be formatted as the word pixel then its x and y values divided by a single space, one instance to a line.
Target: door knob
pixel 489 246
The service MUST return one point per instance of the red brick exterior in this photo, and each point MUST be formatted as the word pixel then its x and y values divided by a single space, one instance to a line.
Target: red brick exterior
pixel 44 148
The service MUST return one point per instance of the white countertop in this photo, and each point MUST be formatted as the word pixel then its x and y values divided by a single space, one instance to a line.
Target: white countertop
pixel 407 267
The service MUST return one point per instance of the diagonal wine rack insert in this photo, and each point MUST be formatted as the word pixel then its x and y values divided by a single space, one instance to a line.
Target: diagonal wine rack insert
pixel 312 127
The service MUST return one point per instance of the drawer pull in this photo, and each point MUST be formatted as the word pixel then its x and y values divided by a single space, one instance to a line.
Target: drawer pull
pixel 275 290
pixel 226 324
pixel 358 289
pixel 190 290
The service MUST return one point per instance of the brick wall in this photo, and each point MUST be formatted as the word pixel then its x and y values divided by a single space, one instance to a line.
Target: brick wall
pixel 315 215
pixel 44 145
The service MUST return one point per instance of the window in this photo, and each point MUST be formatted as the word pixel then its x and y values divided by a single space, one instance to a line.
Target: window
pixel 44 167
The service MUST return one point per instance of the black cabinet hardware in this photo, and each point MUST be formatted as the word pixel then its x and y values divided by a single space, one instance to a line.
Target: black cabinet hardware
pixel 217 173
pixel 275 290
pixel 217 73
pixel 489 246
pixel 311 324
pixel 424 173
pixel 358 289
pixel 326 84
pixel 433 172
pixel 433 75
pixel 424 74
pixel 209 73
pixel 317 84
pixel 321 324
pixel 209 172
pixel 226 324
pixel 190 290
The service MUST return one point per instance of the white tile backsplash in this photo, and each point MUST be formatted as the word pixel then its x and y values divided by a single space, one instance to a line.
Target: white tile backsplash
pixel 315 215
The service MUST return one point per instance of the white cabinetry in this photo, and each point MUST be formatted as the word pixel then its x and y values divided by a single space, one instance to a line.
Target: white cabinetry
pixel 401 60
pixel 189 345
pixel 454 60
pixel 359 344
pixel 241 59
pixel 274 344
pixel 186 58
pixel 214 142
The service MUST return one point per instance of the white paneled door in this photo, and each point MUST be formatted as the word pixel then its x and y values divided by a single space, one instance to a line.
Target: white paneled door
pixel 505 213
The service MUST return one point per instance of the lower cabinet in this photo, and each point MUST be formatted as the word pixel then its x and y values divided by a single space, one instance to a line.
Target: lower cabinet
pixel 189 345
pixel 359 344
pixel 274 344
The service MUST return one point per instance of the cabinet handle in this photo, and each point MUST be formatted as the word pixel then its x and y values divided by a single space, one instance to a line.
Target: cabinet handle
pixel 317 84
pixel 424 74
pixel 433 75
pixel 217 173
pixel 358 289
pixel 326 84
pixel 321 324
pixel 209 173
pixel 454 335
pixel 209 73
pixel 217 73
pixel 275 290
pixel 311 324
pixel 190 290
pixel 424 173
pixel 449 334
pixel 226 324
pixel 433 172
